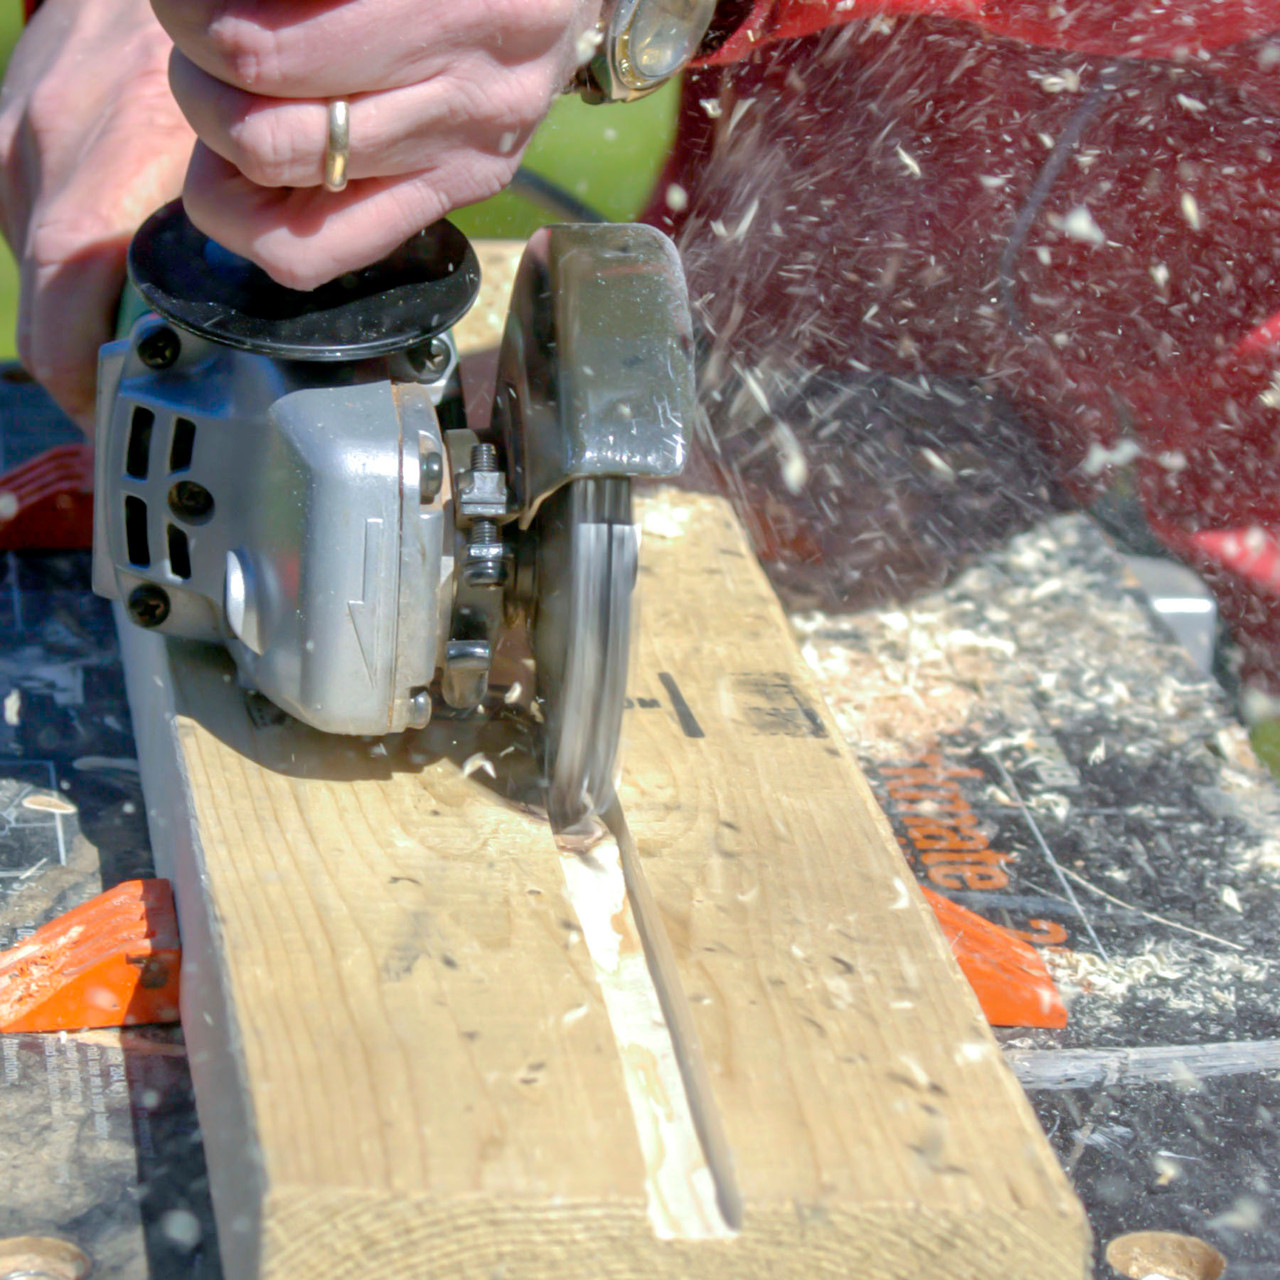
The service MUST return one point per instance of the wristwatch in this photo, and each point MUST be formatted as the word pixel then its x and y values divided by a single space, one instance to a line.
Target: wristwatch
pixel 640 45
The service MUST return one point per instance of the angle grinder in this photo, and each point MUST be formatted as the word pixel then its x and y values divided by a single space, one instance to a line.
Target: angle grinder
pixel 292 475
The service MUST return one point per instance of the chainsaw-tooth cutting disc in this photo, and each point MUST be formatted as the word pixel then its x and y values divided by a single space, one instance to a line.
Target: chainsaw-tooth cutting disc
pixel 587 550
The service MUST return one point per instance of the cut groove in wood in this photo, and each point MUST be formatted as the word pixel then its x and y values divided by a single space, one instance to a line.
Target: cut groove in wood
pixel 674 1004
pixel 404 1060
pixel 838 1036
pixel 683 1200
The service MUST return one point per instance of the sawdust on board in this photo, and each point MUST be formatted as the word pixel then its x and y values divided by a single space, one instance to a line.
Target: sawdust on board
pixel 660 517
pixel 925 680
pixel 1035 656
pixel 1182 979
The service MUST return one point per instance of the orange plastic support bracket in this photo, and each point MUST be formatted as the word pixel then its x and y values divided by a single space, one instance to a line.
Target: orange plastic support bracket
pixel 112 962
pixel 1007 975
pixel 115 962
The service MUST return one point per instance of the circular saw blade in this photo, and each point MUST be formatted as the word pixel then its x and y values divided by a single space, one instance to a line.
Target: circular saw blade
pixel 587 551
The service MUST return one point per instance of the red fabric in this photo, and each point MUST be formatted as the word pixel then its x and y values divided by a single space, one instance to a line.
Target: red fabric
pixel 46 504
pixel 885 174
pixel 1113 28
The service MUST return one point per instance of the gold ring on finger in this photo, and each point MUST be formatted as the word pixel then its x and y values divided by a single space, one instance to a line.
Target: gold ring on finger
pixel 338 145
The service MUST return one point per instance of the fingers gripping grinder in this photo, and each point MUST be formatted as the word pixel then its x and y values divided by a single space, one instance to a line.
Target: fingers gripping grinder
pixel 291 475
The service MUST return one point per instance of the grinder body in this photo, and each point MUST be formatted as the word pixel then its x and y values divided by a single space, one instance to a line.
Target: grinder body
pixel 293 477
pixel 280 509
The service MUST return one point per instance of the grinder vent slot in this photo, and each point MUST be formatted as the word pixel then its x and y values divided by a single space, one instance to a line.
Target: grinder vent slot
pixel 179 553
pixel 137 544
pixel 183 444
pixel 137 458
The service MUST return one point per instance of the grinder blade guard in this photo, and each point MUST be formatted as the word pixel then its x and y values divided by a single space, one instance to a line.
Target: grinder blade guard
pixel 292 475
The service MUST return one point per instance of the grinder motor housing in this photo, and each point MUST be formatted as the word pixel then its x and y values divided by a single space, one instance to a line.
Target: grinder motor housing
pixel 292 475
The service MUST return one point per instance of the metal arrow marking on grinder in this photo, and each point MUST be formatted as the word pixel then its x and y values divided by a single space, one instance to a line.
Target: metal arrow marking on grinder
pixel 363 617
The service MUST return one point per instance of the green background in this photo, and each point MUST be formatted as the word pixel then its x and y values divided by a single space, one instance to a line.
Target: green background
pixel 609 157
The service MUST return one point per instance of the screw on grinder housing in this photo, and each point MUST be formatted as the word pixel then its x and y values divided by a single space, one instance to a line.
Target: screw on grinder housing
pixel 291 475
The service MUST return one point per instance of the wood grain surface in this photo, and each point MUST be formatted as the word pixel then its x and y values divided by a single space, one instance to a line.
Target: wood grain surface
pixel 849 1061
pixel 395 976
pixel 729 1041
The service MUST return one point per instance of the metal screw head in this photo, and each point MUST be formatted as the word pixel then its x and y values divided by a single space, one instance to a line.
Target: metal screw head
pixel 419 708
pixel 190 501
pixel 430 358
pixel 159 347
pixel 430 476
pixel 485 565
pixel 148 605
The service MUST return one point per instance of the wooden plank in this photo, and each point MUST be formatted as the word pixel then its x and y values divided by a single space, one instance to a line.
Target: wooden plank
pixel 427 1043
pixel 728 1042
pixel 854 1075
pixel 409 1046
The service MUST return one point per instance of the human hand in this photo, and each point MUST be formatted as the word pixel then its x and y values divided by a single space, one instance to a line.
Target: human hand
pixel 444 98
pixel 91 143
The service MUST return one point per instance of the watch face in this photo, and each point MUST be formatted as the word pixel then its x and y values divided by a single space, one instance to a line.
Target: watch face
pixel 658 37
